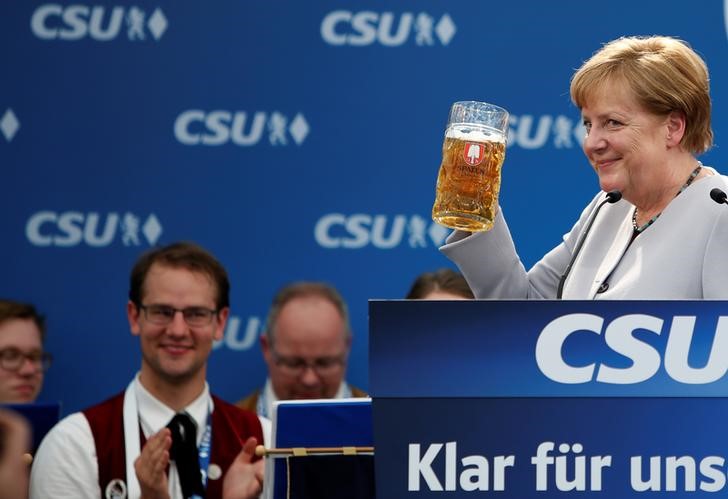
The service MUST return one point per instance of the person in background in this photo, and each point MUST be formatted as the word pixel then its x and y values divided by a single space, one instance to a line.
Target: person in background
pixel 306 346
pixel 22 360
pixel 442 284
pixel 165 436
pixel 645 103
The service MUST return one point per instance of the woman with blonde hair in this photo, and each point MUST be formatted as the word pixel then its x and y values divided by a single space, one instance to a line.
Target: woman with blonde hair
pixel 653 232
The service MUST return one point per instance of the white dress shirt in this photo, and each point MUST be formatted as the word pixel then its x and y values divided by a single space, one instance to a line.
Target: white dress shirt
pixel 65 465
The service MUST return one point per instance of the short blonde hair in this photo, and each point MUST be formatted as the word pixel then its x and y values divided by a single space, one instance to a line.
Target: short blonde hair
pixel 664 74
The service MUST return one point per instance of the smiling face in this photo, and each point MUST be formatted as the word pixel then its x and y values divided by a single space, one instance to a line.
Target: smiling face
pixel 23 384
pixel 175 354
pixel 627 145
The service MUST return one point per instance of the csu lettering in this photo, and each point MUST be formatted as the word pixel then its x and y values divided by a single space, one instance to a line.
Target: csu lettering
pixel 356 231
pixel 71 228
pixel 336 230
pixel 620 338
pixel 342 27
pixel 534 132
pixel 237 337
pixel 219 127
pixel 216 128
pixel 365 28
pixel 74 22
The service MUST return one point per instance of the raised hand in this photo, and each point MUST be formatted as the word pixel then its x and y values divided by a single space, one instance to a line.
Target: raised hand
pixel 151 466
pixel 244 478
pixel 15 436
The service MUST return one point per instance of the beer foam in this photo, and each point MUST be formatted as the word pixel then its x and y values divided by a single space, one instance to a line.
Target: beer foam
pixel 475 133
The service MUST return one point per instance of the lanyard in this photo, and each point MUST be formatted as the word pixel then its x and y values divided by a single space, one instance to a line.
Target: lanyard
pixel 133 447
pixel 204 450
pixel 203 453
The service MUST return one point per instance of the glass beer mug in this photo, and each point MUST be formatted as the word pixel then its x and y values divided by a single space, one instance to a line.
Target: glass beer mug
pixel 470 174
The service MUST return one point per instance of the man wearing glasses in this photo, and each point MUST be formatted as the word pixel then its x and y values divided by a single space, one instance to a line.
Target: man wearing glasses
pixel 22 359
pixel 306 347
pixel 166 436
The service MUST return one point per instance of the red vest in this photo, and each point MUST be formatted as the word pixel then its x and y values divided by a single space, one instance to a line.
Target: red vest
pixel 231 427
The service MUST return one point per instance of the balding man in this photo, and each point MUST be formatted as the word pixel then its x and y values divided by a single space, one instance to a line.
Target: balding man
pixel 306 347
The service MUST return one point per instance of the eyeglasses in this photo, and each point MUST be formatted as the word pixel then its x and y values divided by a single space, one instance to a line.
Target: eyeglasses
pixel 11 359
pixel 295 366
pixel 162 315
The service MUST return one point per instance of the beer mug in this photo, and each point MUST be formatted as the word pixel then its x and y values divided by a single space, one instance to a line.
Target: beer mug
pixel 470 174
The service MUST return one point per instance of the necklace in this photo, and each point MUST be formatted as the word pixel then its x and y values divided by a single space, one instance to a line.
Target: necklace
pixel 639 229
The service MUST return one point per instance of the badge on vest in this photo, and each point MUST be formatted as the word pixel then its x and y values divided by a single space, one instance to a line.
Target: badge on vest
pixel 116 489
pixel 214 472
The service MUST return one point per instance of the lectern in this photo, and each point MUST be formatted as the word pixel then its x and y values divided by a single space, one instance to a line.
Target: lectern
pixel 520 399
pixel 304 427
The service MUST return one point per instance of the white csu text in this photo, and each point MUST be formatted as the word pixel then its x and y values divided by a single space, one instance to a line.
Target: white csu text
pixel 619 336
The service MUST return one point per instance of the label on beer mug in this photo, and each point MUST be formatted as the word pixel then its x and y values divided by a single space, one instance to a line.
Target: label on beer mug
pixel 469 180
pixel 473 153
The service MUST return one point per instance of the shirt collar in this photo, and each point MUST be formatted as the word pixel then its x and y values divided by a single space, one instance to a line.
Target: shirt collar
pixel 154 415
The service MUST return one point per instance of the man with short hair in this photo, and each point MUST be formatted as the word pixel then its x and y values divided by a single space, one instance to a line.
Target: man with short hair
pixel 306 347
pixel 22 359
pixel 166 436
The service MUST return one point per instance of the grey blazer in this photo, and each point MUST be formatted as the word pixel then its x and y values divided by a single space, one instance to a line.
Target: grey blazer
pixel 683 255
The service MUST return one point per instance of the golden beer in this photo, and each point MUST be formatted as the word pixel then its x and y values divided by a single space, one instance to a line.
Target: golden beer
pixel 469 179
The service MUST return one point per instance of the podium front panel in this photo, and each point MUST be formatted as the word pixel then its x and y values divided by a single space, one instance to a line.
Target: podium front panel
pixel 632 405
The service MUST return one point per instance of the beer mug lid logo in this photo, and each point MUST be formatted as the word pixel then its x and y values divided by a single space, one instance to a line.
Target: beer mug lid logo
pixel 473 153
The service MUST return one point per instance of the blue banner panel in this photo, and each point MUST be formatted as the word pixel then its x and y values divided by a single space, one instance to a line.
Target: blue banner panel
pixel 319 423
pixel 323 423
pixel 550 447
pixel 548 348
pixel 295 140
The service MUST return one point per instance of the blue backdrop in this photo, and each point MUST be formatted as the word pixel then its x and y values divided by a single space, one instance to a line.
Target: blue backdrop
pixel 295 140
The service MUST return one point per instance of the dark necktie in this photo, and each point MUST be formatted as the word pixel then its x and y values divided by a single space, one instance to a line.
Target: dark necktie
pixel 184 454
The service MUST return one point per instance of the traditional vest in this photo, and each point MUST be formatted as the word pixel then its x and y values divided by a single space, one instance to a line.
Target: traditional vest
pixel 231 427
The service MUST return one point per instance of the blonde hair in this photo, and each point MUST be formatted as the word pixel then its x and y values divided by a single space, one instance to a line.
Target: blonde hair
pixel 664 74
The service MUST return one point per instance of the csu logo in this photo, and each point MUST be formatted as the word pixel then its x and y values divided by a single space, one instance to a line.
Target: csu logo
pixel 72 228
pixel 337 230
pixel 534 132
pixel 102 23
pixel 9 124
pixel 342 27
pixel 645 359
pixel 216 128
pixel 238 337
